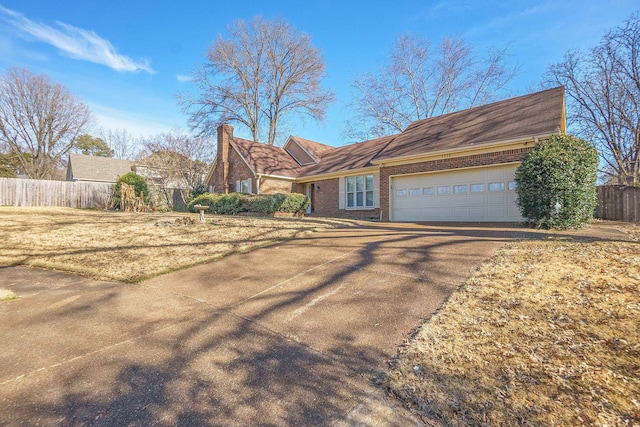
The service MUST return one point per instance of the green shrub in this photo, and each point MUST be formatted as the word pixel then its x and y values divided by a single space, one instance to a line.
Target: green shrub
pixel 294 203
pixel 220 204
pixel 556 183
pixel 134 179
pixel 198 190
pixel 233 203
pixel 260 204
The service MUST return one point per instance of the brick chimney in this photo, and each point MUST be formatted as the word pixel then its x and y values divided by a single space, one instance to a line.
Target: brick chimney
pixel 225 134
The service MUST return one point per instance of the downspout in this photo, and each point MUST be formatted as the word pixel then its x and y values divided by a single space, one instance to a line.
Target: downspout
pixel 257 184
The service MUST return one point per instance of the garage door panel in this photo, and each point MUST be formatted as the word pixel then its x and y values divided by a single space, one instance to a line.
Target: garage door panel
pixel 478 200
pixel 483 194
pixel 513 212
pixel 499 213
pixel 497 199
pixel 480 214
pixel 459 201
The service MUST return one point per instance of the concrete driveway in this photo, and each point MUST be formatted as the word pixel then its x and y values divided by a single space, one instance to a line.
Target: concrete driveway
pixel 292 334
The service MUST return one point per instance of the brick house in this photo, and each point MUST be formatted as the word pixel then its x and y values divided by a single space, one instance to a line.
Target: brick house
pixel 455 167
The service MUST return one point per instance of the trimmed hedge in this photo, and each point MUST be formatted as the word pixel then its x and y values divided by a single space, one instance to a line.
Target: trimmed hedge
pixel 234 203
pixel 556 183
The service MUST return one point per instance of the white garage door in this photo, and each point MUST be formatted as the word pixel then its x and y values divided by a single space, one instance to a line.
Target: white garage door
pixel 480 194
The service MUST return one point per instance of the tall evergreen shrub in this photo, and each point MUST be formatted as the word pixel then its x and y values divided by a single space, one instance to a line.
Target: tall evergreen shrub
pixel 556 183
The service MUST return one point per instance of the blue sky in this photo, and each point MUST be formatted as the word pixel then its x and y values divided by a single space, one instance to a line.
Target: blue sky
pixel 127 59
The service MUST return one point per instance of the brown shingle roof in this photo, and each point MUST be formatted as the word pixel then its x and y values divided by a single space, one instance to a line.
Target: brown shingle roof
pixel 525 116
pixel 93 168
pixel 266 159
pixel 316 149
pixel 348 157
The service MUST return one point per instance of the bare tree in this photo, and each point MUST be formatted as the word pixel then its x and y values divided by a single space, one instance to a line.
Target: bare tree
pixel 419 82
pixel 175 160
pixel 603 90
pixel 123 144
pixel 264 72
pixel 39 121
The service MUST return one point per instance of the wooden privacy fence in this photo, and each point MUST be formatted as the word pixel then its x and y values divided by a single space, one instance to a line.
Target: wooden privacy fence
pixel 618 203
pixel 35 192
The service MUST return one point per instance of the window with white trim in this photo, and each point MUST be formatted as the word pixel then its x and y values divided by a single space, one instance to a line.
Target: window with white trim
pixel 243 186
pixel 359 191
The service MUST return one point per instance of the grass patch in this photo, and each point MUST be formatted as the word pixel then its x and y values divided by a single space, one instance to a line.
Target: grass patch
pixel 130 247
pixel 546 333
pixel 7 295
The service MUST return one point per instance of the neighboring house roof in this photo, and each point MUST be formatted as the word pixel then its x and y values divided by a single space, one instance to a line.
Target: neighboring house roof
pixel 265 159
pixel 537 114
pixel 94 168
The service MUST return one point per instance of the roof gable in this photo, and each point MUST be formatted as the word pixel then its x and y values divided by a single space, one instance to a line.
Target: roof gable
pixel 265 159
pixel 305 151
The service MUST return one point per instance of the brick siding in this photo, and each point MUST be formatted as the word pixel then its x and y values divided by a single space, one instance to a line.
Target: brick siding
pixel 238 171
pixel 326 199
pixel 274 185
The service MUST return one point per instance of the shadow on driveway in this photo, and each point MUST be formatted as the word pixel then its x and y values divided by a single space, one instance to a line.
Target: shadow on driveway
pixel 292 334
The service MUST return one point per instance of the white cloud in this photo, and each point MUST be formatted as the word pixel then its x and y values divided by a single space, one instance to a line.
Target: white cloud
pixel 135 123
pixel 75 42
pixel 183 78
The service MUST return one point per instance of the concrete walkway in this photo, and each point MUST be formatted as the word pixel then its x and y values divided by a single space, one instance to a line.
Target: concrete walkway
pixel 292 334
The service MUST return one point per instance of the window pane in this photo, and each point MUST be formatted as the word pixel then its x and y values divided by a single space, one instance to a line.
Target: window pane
pixel 496 186
pixel 414 192
pixel 369 198
pixel 428 191
pixel 401 193
pixel 477 188
pixel 359 199
pixel 458 189
pixel 246 186
pixel 512 185
pixel 350 200
pixel 444 190
pixel 369 182
pixel 351 184
pixel 360 183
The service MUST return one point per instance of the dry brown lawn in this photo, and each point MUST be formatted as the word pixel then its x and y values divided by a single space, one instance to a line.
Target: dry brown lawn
pixel 546 333
pixel 131 247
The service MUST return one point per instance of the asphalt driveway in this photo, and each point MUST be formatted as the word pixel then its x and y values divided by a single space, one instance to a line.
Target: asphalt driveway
pixel 292 334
